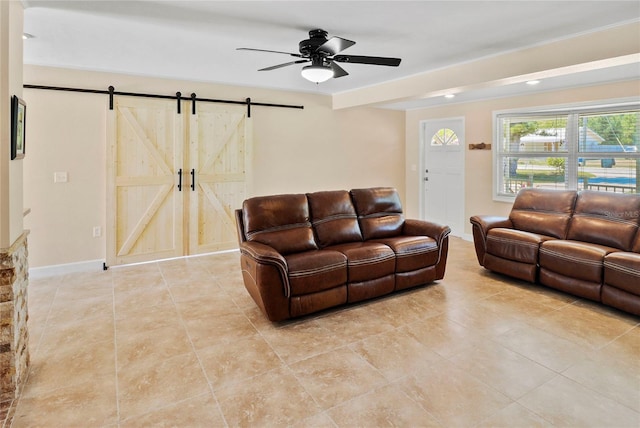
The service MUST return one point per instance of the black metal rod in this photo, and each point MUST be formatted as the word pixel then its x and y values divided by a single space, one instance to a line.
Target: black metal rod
pixel 193 179
pixel 178 95
pixel 180 180
pixel 193 103
pixel 248 101
pixel 111 92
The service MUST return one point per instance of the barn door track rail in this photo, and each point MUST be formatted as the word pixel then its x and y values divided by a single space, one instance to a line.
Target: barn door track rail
pixel 178 96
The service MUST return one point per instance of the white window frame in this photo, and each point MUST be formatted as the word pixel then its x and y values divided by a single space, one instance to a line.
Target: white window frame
pixel 572 111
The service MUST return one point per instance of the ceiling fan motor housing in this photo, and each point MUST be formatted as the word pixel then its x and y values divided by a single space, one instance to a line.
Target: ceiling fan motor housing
pixel 310 46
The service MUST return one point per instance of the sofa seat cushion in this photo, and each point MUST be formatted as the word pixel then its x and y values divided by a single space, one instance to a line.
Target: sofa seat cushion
pixel 622 270
pixel 412 252
pixel 367 260
pixel 314 271
pixel 575 259
pixel 516 245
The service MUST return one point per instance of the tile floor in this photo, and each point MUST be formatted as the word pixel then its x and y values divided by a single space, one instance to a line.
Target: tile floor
pixel 180 343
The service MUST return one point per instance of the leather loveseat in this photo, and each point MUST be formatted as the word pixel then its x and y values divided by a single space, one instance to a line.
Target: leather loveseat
pixel 586 243
pixel 302 253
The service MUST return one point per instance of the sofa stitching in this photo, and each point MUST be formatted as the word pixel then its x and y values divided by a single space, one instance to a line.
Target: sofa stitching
pixel 623 269
pixel 571 258
pixel 251 235
pixel 416 251
pixel 372 260
pixel 282 267
pixel 607 218
pixel 527 210
pixel 335 217
pixel 512 241
pixel 316 270
pixel 383 214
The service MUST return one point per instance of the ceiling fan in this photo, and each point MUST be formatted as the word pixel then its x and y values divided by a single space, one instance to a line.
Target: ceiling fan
pixel 322 53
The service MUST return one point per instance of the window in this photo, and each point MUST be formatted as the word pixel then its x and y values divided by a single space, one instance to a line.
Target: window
pixel 595 148
pixel 445 137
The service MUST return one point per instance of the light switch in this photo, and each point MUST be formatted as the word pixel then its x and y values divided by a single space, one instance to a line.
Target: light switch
pixel 60 177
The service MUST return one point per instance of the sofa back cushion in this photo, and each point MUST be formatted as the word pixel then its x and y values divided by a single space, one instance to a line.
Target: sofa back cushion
pixel 543 211
pixel 379 212
pixel 333 217
pixel 605 218
pixel 280 221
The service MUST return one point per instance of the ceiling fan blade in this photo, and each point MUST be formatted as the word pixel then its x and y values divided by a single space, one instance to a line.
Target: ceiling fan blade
pixel 335 45
pixel 373 60
pixel 264 50
pixel 274 67
pixel 338 71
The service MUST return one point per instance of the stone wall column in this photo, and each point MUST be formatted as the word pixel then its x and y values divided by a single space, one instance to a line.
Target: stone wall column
pixel 14 336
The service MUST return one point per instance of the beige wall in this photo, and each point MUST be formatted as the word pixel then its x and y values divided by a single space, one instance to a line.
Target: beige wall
pixel 11 196
pixel 294 150
pixel 479 128
pixel 306 150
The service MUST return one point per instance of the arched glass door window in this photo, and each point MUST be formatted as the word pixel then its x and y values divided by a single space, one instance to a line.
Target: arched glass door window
pixel 444 137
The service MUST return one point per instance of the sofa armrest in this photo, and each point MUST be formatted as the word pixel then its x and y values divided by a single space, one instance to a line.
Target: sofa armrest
pixel 481 224
pixel 426 228
pixel 266 255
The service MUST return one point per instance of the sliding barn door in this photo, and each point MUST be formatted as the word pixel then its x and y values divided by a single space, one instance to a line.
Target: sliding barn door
pixel 145 207
pixel 219 162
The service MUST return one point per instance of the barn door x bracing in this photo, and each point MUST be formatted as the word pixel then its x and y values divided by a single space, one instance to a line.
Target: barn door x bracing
pixel 173 179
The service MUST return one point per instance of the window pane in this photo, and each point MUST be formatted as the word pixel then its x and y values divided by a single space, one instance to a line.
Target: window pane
pixel 446 137
pixel 611 133
pixel 548 172
pixel 534 134
pixel 621 175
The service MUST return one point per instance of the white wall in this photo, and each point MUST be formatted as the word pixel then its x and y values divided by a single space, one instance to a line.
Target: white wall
pixel 306 150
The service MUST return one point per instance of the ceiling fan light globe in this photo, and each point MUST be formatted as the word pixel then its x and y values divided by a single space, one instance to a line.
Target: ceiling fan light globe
pixel 317 73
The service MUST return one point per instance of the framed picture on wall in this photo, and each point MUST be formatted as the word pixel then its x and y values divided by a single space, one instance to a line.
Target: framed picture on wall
pixel 18 127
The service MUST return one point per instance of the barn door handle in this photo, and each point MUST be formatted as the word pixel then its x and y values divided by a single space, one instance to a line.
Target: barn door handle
pixel 180 180
pixel 193 179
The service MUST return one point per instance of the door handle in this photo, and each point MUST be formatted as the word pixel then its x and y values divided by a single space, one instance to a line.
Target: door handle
pixel 193 179
pixel 180 180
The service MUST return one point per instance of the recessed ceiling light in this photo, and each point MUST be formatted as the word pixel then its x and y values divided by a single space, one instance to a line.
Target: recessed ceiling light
pixel 26 36
pixel 532 82
pixel 449 96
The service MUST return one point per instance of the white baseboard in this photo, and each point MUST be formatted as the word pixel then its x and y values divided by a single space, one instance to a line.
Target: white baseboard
pixel 464 236
pixel 53 270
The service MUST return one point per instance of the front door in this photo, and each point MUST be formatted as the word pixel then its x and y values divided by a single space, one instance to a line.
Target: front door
pixel 443 172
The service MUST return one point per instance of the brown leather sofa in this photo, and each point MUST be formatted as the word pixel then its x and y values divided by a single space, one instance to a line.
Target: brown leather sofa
pixel 302 253
pixel 586 243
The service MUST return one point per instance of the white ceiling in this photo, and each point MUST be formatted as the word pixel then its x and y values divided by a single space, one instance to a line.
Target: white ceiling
pixel 197 40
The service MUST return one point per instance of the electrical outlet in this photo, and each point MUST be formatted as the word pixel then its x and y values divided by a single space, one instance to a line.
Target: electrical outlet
pixel 60 177
pixel 97 231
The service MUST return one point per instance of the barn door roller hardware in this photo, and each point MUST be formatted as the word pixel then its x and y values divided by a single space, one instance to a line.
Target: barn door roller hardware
pixel 178 96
